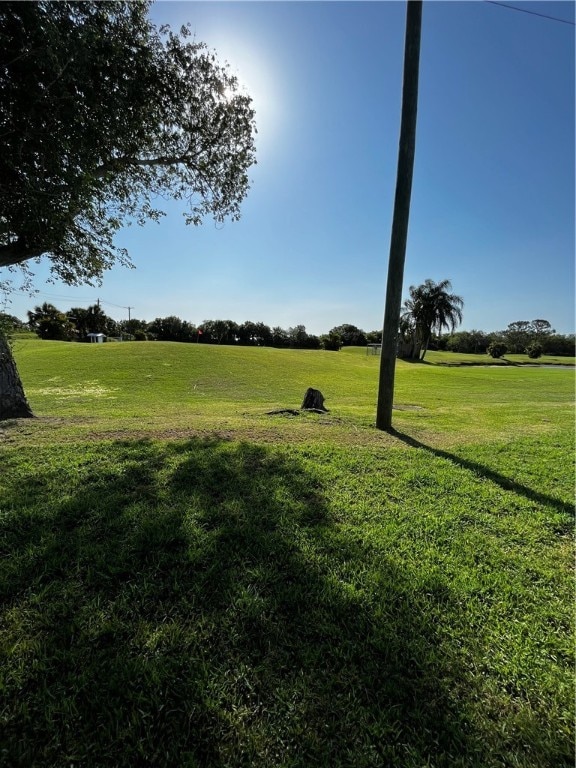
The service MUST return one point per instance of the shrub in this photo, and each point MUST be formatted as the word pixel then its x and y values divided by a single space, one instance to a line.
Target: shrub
pixel 497 349
pixel 534 350
pixel 140 336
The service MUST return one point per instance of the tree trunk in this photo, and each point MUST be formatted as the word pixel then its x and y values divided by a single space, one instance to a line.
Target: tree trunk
pixel 13 403
pixel 405 349
pixel 412 349
pixel 425 347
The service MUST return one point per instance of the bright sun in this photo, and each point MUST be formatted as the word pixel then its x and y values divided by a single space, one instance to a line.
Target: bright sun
pixel 255 78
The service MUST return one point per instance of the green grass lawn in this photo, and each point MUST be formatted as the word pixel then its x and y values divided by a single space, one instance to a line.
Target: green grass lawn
pixel 187 580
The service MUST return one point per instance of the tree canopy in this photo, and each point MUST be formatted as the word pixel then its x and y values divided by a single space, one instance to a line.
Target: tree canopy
pixel 102 114
pixel 49 323
pixel 350 335
pixel 521 333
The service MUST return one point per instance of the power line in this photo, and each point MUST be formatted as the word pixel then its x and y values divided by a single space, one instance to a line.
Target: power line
pixel 67 299
pixel 58 297
pixel 118 306
pixel 532 13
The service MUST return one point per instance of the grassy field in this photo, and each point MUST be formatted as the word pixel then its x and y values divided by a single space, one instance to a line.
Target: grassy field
pixel 187 580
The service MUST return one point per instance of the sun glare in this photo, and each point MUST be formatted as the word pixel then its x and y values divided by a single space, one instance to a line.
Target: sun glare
pixel 255 78
pixel 246 51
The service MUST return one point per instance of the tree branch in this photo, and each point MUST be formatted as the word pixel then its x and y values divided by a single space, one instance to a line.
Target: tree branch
pixel 123 162
pixel 17 252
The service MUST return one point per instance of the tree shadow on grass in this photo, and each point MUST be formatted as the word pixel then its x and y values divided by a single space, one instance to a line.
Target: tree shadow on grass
pixel 414 361
pixel 183 605
pixel 504 482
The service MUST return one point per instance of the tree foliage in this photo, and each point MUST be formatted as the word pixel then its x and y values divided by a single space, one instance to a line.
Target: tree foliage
pixel 559 344
pixel 518 337
pixel 374 337
pixel 132 326
pixel 350 336
pixel 468 342
pixel 100 115
pixel 254 334
pixel 172 328
pixel 299 338
pixel 534 350
pixel 10 323
pixel 497 349
pixel 219 332
pixel 521 334
pixel 280 337
pixel 331 341
pixel 91 320
pixel 49 323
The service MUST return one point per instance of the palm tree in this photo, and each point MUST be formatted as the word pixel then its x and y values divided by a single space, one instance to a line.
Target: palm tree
pixel 431 308
pixel 49 323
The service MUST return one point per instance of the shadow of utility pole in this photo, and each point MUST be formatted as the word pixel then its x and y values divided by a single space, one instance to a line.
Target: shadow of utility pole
pixel 482 471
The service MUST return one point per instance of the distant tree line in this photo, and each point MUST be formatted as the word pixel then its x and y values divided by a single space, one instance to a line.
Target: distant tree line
pixel 536 337
pixel 48 322
pixel 521 336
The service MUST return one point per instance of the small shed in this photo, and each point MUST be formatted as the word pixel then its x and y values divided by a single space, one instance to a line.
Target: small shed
pixel 96 338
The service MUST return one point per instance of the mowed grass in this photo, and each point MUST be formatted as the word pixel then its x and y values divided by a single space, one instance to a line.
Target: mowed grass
pixel 157 387
pixel 189 581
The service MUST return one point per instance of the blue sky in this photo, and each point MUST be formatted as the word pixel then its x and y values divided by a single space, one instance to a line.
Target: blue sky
pixel 493 189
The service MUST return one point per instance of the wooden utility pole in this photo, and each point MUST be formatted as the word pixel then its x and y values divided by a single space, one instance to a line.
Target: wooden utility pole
pixel 401 215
